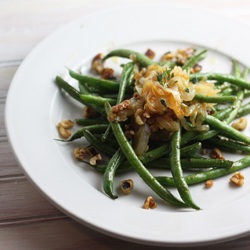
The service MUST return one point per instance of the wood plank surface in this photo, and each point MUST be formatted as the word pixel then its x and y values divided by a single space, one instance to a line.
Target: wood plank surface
pixel 28 220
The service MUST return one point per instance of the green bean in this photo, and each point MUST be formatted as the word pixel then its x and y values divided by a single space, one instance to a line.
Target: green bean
pixel 191 149
pixel 131 78
pixel 124 79
pixel 97 128
pixel 208 175
pixel 221 77
pixel 110 141
pixel 101 146
pixel 75 94
pixel 164 163
pixel 188 136
pixel 192 61
pixel 214 99
pixel 237 72
pixel 139 167
pixel 244 110
pixel 164 150
pixel 101 90
pixel 227 116
pixel 97 100
pixel 235 106
pixel 222 86
pixel 245 73
pixel 107 84
pixel 192 163
pixel 228 130
pixel 106 134
pixel 169 64
pixel 90 121
pixel 84 88
pixel 108 177
pixel 226 92
pixel 175 165
pixel 210 145
pixel 113 96
pixel 246 93
pixel 140 58
pixel 230 143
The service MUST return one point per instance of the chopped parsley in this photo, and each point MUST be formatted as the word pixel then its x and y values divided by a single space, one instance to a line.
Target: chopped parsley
pixel 195 80
pixel 163 102
pixel 187 90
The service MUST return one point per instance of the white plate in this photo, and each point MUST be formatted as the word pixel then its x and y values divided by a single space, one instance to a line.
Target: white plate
pixel 35 106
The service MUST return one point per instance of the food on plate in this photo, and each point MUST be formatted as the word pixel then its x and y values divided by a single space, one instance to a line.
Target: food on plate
pixel 238 179
pixel 158 115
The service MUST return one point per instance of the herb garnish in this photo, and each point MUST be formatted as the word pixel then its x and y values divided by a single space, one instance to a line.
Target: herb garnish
pixel 163 102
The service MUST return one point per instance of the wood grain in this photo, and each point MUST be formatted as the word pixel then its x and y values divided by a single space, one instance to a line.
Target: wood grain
pixel 66 234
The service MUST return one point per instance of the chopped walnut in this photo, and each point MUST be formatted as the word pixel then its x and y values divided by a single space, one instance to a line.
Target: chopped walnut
pixel 64 132
pixel 168 56
pixel 149 203
pixel 183 55
pixel 150 54
pixel 96 64
pixel 108 73
pixel 66 124
pixel 241 124
pixel 188 52
pixel 197 68
pixel 216 154
pixel 209 184
pixel 238 179
pixel 95 159
pixel 119 107
pixel 89 112
pixel 79 153
pixel 127 186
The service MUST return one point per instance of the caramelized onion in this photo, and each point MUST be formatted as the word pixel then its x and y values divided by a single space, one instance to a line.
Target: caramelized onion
pixel 141 139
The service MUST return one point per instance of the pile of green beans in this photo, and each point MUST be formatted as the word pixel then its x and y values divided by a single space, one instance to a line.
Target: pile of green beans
pixel 177 155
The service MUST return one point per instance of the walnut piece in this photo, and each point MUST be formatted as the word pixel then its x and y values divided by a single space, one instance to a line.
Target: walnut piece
pixel 238 179
pixel 64 132
pixel 168 56
pixel 108 74
pixel 79 153
pixel 127 186
pixel 66 124
pixel 216 154
pixel 93 161
pixel 96 64
pixel 209 184
pixel 241 124
pixel 149 203
pixel 150 54
pixel 121 106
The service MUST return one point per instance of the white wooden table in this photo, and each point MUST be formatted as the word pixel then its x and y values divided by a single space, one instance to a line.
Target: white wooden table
pixel 27 220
